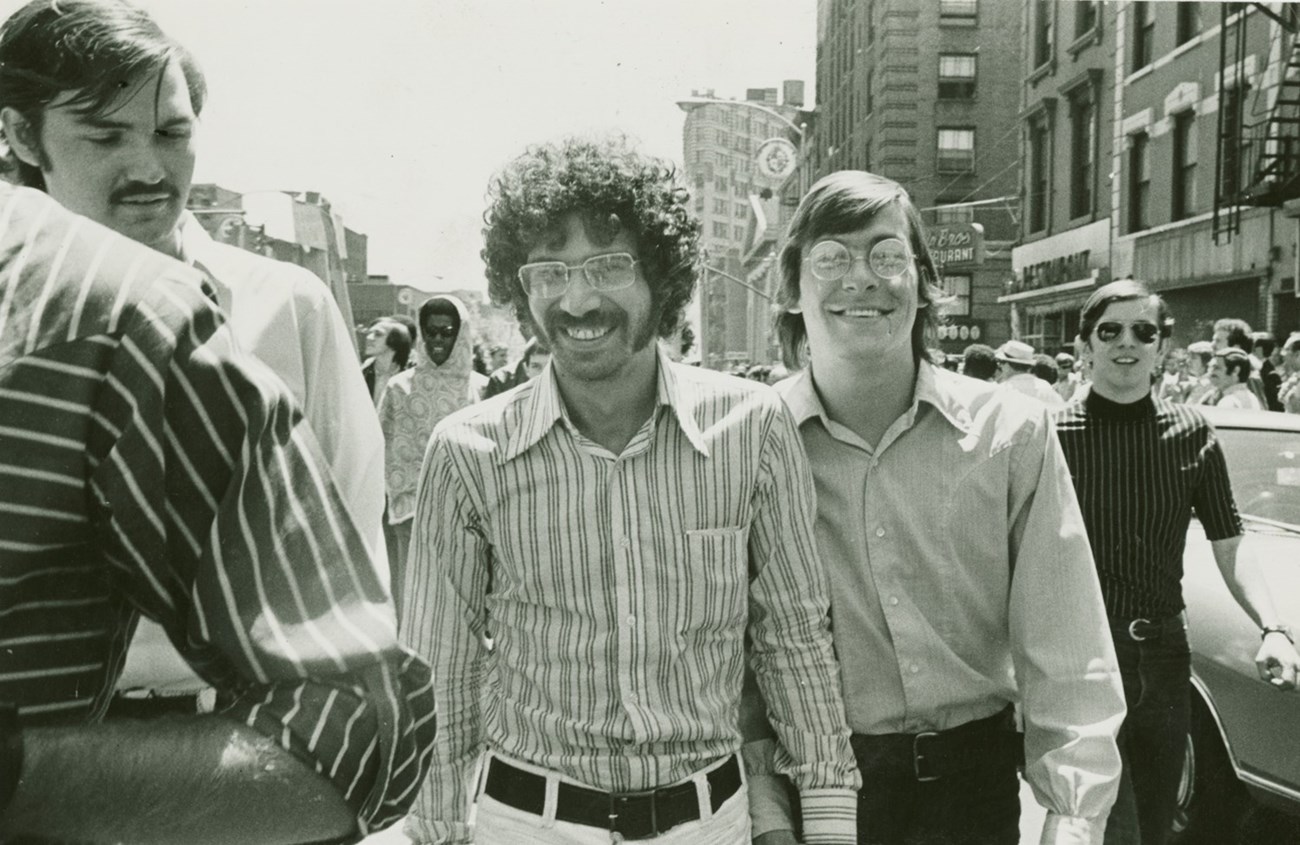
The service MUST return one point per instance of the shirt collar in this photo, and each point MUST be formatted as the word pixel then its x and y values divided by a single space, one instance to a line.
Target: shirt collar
pixel 542 407
pixel 931 383
pixel 196 251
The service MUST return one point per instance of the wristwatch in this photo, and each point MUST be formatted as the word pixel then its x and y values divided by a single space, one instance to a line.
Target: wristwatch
pixel 1284 630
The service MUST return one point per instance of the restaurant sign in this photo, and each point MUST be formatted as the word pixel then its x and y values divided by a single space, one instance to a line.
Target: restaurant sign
pixel 956 244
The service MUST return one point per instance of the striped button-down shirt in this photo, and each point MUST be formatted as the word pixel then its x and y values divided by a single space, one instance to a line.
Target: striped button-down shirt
pixel 145 463
pixel 1140 469
pixel 617 591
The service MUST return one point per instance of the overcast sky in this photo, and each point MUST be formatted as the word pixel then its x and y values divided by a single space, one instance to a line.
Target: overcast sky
pixel 400 110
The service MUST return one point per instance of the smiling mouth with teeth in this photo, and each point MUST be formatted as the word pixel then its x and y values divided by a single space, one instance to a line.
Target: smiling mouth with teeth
pixel 578 333
pixel 861 312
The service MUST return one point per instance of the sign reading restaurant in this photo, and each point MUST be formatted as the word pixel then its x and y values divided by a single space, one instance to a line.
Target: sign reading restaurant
pixel 955 244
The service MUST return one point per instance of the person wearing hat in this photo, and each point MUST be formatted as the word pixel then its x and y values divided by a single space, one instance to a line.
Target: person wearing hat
pixel 1015 358
pixel 1067 379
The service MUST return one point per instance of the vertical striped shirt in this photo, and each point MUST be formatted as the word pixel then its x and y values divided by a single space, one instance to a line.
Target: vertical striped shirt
pixel 146 465
pixel 1139 470
pixel 618 591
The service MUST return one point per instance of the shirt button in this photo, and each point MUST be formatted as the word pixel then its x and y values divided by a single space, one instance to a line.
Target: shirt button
pixel 914 668
pixel 880 532
pixel 631 622
pixel 893 600
pixel 625 542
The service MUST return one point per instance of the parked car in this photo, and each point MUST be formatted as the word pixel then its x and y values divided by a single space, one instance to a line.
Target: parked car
pixel 1241 781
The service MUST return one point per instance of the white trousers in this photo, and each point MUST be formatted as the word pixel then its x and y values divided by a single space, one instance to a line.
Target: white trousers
pixel 500 824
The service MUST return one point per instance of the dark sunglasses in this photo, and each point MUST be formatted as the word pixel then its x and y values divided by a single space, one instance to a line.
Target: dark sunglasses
pixel 1143 331
pixel 440 331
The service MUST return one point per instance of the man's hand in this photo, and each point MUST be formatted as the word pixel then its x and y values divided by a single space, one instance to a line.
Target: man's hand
pixel 776 837
pixel 1277 661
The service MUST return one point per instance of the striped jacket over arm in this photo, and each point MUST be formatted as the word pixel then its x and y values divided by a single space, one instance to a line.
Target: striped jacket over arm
pixel 146 465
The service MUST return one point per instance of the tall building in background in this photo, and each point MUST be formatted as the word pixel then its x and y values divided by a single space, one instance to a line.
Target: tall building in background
pixel 927 94
pixel 1161 141
pixel 722 144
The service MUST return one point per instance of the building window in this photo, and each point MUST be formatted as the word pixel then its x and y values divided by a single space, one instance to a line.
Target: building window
pixel 742 210
pixel 720 206
pixel 1043 32
pixel 721 230
pixel 740 233
pixel 956 150
pixel 947 213
pixel 956 76
pixel 1144 33
pixel 957 11
pixel 1188 22
pixel 1184 193
pixel 720 183
pixel 1233 103
pixel 1139 183
pixel 1039 168
pixel 1085 17
pixel 1083 152
pixel 956 289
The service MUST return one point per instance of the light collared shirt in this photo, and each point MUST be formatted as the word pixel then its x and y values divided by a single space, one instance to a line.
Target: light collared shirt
pixel 618 590
pixel 147 465
pixel 1240 395
pixel 962 580
pixel 1034 387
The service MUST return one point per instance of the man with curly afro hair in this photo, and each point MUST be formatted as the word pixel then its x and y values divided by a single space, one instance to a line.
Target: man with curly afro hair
pixel 593 548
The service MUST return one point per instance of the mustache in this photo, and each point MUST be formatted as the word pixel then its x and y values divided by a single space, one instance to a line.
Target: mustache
pixel 559 320
pixel 134 189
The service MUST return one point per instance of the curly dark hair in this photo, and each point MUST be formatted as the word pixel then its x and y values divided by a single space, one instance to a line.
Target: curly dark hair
pixel 613 188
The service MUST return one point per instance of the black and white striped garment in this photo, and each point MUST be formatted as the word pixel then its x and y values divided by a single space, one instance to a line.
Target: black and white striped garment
pixel 145 463
pixel 1139 470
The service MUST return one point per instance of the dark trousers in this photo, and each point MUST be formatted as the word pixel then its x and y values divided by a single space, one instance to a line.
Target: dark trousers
pixel 975 798
pixel 1152 741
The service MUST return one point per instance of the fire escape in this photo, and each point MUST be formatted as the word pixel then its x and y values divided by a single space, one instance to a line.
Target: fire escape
pixel 1256 163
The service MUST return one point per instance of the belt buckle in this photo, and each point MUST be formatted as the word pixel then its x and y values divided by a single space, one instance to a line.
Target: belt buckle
pixel 918 755
pixel 616 797
pixel 1132 630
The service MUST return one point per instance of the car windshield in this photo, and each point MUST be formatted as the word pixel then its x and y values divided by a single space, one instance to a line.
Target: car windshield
pixel 1265 470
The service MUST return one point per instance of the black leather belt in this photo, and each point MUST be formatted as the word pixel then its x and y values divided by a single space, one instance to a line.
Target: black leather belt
pixel 633 815
pixel 936 754
pixel 1140 630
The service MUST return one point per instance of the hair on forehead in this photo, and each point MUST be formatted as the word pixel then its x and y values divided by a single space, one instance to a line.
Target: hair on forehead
pixel 600 228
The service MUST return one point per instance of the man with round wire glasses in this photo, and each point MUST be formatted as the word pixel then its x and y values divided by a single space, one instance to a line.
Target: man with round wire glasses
pixel 621 525
pixel 1136 462
pixel 961 579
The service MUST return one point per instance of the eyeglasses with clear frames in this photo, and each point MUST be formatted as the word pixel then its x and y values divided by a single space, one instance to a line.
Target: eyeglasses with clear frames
pixel 549 279
pixel 831 261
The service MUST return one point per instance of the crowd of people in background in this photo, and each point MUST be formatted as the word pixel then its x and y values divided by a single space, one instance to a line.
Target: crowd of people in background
pixel 1235 368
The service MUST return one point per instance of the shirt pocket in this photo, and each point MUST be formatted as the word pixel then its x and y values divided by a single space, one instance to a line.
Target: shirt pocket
pixel 713 582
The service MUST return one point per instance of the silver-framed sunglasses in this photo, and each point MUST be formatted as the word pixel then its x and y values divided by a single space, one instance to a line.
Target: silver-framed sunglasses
pixel 549 279
pixel 831 261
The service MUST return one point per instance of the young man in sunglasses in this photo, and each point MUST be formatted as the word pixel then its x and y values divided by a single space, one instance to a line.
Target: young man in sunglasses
pixel 962 583
pixel 443 380
pixel 1137 462
pixel 617 526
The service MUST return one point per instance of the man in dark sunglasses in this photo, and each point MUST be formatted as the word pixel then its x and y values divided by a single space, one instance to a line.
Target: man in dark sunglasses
pixel 618 526
pixel 1136 462
pixel 443 380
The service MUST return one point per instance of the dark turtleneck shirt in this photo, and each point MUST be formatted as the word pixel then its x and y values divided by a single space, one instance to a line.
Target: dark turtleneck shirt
pixel 1139 470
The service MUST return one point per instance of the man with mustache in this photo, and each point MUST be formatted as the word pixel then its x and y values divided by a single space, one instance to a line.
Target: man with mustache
pixel 592 548
pixel 100 109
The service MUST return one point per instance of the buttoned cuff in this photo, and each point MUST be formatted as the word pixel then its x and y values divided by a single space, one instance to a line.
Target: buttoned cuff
pixel 1072 830
pixel 830 816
